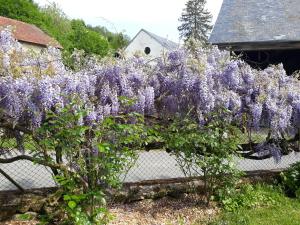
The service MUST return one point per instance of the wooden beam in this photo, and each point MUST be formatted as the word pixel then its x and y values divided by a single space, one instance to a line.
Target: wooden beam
pixel 255 46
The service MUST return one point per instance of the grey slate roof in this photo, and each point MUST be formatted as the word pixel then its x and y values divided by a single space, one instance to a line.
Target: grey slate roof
pixel 242 21
pixel 167 44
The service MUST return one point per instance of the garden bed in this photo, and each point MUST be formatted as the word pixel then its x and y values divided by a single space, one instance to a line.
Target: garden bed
pixel 252 204
pixel 186 209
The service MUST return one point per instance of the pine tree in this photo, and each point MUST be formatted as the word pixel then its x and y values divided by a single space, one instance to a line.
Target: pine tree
pixel 195 21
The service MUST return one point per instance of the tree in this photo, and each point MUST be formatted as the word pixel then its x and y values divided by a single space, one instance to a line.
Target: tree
pixel 24 10
pixel 195 21
pixel 116 40
pixel 88 40
pixel 57 24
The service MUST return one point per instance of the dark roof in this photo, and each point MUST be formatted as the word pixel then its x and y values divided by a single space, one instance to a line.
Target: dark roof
pixel 167 44
pixel 170 45
pixel 248 21
pixel 29 33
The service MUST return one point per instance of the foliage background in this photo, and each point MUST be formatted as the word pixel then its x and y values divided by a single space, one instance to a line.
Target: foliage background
pixel 70 33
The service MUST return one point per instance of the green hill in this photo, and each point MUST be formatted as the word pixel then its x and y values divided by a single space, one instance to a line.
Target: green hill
pixel 71 34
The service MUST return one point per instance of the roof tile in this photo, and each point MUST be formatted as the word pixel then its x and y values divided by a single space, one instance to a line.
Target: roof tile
pixel 28 33
pixel 241 21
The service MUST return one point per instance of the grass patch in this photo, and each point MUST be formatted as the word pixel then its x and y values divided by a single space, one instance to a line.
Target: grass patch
pixel 261 205
pixel 256 137
pixel 11 143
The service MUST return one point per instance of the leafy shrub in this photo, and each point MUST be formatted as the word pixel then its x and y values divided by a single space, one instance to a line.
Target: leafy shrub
pixel 206 151
pixel 87 159
pixel 291 180
pixel 249 196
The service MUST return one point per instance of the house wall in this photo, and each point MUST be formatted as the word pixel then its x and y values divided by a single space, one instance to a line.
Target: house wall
pixel 140 42
pixel 32 47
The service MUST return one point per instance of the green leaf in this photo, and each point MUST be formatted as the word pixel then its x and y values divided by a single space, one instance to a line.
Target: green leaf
pixel 72 204
pixel 103 147
pixel 67 197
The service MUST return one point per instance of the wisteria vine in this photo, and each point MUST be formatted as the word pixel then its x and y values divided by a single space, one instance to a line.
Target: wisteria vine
pixel 176 84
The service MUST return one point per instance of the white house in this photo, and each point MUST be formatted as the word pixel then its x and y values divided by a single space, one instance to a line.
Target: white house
pixel 149 44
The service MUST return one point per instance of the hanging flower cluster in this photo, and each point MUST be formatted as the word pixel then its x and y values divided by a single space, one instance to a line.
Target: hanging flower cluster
pixel 177 84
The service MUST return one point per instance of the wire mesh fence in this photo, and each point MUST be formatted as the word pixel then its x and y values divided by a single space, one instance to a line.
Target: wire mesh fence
pixel 161 165
pixel 152 165
pixel 27 174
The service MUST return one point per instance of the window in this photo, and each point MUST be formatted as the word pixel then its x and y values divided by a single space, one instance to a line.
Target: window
pixel 117 55
pixel 147 50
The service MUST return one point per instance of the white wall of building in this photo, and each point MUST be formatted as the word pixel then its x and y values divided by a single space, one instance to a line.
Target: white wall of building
pixel 32 47
pixel 140 42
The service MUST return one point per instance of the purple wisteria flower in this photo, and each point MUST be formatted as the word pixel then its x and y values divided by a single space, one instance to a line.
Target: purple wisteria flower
pixel 269 148
pixel 176 84
pixel 256 112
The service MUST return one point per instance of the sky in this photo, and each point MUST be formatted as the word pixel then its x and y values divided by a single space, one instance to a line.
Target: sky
pixel 156 16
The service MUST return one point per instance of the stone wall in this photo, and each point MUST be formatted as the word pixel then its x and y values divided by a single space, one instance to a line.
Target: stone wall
pixel 43 200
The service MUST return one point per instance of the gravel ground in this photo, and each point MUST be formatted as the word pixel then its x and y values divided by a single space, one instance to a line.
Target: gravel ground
pixel 164 211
